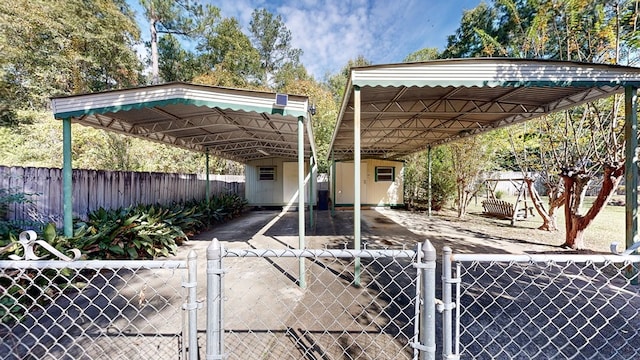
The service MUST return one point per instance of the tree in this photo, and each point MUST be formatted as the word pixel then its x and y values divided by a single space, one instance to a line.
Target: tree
pixel 59 48
pixel 534 160
pixel 338 81
pixel 175 63
pixel 471 158
pixel 416 184
pixel 170 17
pixel 294 79
pixel 584 143
pixel 476 24
pixel 273 41
pixel 228 57
pixel 425 54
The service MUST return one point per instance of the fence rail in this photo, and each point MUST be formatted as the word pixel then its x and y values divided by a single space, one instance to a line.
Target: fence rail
pixel 93 189
pixel 306 304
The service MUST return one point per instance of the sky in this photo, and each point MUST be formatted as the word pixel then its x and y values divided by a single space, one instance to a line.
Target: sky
pixel 332 32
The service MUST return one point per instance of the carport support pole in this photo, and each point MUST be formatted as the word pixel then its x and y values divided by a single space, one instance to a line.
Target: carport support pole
pixel 207 187
pixel 311 197
pixel 301 221
pixel 429 181
pixel 631 169
pixel 356 181
pixel 67 179
pixel 333 183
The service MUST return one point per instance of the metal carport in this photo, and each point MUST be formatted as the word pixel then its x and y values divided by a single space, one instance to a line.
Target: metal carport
pixel 239 125
pixel 389 111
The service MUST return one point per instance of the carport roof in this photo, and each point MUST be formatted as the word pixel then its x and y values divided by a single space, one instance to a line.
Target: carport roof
pixel 405 108
pixel 239 125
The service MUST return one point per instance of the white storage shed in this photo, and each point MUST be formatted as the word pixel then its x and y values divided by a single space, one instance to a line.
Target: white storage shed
pixel 381 183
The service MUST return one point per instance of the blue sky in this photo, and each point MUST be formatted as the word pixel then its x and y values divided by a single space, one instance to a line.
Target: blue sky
pixel 332 32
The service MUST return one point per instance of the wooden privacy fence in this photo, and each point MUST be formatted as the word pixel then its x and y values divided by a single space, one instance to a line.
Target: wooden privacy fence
pixel 93 189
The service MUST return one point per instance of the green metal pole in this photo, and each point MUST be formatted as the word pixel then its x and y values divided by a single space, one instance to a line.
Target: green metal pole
pixel 311 194
pixel 67 179
pixel 631 165
pixel 301 280
pixel 631 171
pixel 207 188
pixel 429 181
pixel 333 183
pixel 356 181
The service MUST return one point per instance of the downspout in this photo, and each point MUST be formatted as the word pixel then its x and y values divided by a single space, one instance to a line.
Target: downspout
pixel 67 179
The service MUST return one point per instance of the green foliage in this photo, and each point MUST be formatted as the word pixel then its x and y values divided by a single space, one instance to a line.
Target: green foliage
pixel 425 54
pixel 8 228
pixel 133 232
pixel 57 48
pixel 175 63
pixel 416 183
pixel 272 40
pixel 149 231
pixel 228 58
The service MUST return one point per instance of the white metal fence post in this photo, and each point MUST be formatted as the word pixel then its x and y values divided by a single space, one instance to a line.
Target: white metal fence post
pixel 428 321
pixel 447 306
pixel 215 330
pixel 192 304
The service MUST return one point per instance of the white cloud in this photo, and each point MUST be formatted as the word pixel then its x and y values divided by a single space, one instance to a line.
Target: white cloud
pixel 332 32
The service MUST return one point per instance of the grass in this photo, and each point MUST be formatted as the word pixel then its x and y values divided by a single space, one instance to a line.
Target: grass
pixel 607 227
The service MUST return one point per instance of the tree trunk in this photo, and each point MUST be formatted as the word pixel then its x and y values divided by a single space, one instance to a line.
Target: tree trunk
pixel 575 187
pixel 462 205
pixel 549 218
pixel 155 77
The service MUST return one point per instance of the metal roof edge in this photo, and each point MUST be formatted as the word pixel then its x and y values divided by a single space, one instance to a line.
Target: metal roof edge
pixel 149 104
pixel 343 108
pixel 174 84
pixel 177 93
pixel 493 72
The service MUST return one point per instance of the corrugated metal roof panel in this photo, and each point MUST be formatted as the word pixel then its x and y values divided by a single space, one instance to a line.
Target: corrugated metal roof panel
pixel 235 124
pixel 407 107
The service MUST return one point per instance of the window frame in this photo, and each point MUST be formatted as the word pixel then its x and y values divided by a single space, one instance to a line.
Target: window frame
pixel 385 176
pixel 267 173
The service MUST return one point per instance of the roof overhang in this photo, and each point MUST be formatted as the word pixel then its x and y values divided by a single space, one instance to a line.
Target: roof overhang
pixel 409 107
pixel 239 125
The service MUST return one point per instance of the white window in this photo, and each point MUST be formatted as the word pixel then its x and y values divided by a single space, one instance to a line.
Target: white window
pixel 267 173
pixel 385 173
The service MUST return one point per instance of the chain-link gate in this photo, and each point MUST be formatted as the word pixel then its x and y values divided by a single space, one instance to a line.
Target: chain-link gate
pixel 507 306
pixel 95 309
pixel 305 304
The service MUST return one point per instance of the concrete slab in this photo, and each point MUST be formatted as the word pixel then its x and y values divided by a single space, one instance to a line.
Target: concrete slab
pixel 266 309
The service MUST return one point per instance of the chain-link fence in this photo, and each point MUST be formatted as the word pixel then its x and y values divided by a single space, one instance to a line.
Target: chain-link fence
pixel 541 306
pixel 92 309
pixel 323 304
pixel 311 304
